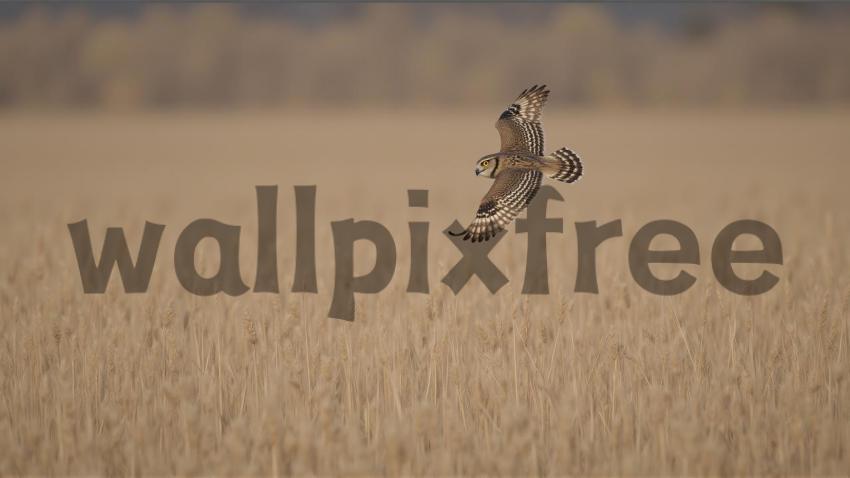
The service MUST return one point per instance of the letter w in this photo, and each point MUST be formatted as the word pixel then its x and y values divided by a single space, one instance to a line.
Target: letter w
pixel 96 276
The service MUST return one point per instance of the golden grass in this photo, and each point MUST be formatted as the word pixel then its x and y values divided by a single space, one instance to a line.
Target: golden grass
pixel 623 382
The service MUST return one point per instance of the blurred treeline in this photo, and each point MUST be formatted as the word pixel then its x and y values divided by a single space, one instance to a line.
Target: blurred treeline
pixel 225 55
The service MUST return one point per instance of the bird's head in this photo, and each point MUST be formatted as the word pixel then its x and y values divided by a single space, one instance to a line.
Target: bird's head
pixel 487 166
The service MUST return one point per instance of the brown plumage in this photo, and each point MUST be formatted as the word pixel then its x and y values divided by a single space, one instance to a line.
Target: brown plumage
pixel 519 125
pixel 519 166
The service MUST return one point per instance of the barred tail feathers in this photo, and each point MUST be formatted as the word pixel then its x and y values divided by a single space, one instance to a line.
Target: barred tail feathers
pixel 563 165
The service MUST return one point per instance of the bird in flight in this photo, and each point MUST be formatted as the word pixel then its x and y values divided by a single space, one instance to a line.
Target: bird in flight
pixel 519 166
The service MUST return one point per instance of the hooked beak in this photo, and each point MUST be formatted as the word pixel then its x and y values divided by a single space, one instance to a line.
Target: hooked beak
pixel 478 171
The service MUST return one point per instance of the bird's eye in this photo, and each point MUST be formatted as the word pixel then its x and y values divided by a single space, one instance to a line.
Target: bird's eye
pixel 485 162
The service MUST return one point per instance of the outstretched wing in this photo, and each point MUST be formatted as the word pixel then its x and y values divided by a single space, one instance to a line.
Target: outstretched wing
pixel 519 126
pixel 510 193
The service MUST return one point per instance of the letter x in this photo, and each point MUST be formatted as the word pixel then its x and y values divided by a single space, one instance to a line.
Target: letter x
pixel 474 261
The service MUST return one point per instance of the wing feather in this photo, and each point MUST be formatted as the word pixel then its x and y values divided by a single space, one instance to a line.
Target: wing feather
pixel 519 125
pixel 510 193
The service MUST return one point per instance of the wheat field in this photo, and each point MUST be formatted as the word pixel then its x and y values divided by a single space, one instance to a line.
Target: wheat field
pixel 620 382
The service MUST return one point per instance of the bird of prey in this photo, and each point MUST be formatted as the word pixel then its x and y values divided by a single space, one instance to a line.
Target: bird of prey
pixel 518 167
